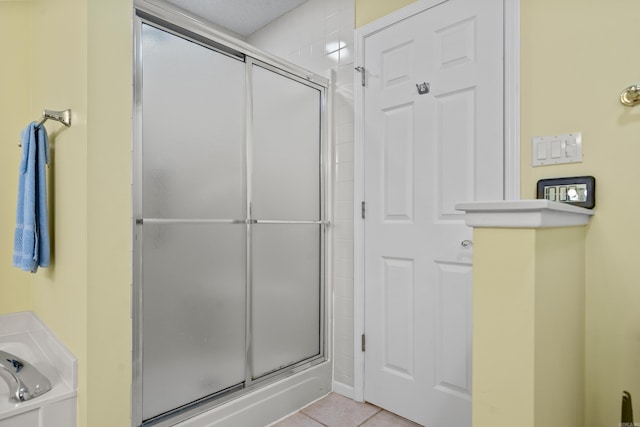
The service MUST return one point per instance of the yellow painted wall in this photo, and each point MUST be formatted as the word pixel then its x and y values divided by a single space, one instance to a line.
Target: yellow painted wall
pixel 528 334
pixel 503 352
pixel 109 212
pixel 370 10
pixel 570 81
pixel 559 327
pixel 15 43
pixel 59 81
pixel 75 54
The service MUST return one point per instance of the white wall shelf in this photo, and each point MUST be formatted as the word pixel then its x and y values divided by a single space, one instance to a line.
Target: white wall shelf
pixel 523 214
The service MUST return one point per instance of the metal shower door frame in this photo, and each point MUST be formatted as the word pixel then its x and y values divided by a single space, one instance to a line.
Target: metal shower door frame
pixel 184 27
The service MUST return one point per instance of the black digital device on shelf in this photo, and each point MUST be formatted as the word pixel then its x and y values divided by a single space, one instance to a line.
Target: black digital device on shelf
pixel 577 190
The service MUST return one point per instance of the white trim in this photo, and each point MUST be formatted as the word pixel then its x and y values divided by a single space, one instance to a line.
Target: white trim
pixel 512 99
pixel 342 389
pixel 511 154
pixel 358 224
pixel 523 214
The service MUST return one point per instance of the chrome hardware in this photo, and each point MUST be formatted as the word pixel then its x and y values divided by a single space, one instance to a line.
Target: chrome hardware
pixel 63 117
pixel 25 381
pixel 361 70
pixel 466 243
pixel 630 96
pixel 423 88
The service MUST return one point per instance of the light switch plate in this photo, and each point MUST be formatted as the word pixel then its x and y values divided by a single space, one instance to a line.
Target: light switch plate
pixel 556 149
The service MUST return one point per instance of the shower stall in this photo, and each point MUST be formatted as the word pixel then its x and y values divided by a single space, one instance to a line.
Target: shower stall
pixel 230 222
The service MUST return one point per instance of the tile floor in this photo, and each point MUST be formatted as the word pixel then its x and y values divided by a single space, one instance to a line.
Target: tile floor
pixel 335 410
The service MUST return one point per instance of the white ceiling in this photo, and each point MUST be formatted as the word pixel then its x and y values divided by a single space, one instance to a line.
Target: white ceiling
pixel 243 17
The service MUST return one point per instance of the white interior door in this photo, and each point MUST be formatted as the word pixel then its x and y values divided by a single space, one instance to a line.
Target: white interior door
pixel 423 153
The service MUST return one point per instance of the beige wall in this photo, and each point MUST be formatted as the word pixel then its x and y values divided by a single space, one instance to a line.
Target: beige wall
pixel 109 243
pixel 15 43
pixel 59 81
pixel 571 79
pixel 370 10
pixel 528 315
pixel 76 54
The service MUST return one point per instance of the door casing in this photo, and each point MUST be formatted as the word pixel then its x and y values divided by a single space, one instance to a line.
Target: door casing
pixel 511 123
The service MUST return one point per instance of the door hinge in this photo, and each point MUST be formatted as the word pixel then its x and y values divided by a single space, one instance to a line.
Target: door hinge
pixel 363 343
pixel 362 210
pixel 362 72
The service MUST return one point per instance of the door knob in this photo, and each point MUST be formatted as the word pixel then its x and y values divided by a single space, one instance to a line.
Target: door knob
pixel 466 243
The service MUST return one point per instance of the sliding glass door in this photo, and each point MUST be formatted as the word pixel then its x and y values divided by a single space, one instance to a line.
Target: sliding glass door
pixel 286 241
pixel 229 234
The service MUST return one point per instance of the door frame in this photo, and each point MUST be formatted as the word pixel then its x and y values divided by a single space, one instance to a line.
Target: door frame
pixel 511 16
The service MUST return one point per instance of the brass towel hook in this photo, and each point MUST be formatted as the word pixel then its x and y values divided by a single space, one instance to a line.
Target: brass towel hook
pixel 630 96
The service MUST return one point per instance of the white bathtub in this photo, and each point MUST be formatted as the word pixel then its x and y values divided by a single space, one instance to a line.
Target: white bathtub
pixel 25 336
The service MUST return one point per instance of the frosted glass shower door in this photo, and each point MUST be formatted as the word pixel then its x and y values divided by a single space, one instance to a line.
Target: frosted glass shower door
pixel 229 235
pixel 193 206
pixel 286 239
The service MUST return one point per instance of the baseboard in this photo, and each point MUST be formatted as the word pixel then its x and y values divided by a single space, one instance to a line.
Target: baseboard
pixel 343 389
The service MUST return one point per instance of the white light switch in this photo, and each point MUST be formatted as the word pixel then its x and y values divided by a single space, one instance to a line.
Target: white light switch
pixel 556 149
pixel 542 151
pixel 571 148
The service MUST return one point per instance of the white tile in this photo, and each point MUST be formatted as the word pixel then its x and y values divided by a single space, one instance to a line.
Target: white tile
pixel 344 191
pixel 344 152
pixel 344 171
pixel 342 306
pixel 345 75
pixel 344 379
pixel 346 56
pixel 345 133
pixel 346 90
pixel 343 287
pixel 332 42
pixel 344 211
pixel 343 270
pixel 344 248
pixel 332 23
pixel 343 112
pixel 343 229
pixel 333 6
pixel 345 365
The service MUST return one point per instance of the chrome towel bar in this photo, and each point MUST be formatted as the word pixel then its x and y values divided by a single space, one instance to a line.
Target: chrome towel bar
pixel 63 117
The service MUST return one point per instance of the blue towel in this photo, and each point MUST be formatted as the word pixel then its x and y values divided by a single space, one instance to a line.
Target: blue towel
pixel 31 244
